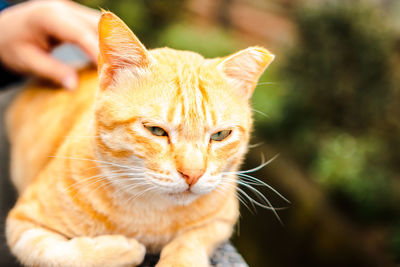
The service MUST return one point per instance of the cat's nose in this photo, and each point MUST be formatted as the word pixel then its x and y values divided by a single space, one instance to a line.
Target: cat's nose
pixel 191 176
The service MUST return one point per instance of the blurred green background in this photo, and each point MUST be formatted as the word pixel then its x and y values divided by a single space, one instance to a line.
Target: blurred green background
pixel 329 105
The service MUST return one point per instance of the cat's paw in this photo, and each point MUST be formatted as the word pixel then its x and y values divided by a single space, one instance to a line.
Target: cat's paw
pixel 109 250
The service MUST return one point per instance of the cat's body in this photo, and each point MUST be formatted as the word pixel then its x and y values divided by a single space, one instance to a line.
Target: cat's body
pixel 88 207
pixel 141 159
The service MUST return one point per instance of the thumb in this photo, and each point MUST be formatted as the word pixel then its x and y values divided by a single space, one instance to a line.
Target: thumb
pixel 40 63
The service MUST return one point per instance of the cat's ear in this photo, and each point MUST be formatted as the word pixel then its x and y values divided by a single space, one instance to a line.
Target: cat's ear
pixel 244 68
pixel 119 49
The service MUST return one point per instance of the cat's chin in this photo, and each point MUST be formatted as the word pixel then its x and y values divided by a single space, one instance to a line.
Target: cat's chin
pixel 182 198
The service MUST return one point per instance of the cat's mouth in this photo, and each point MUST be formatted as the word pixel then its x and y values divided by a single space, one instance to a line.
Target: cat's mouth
pixel 183 197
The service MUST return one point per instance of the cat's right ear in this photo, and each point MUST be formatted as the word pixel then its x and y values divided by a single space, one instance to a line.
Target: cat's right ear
pixel 244 68
pixel 119 49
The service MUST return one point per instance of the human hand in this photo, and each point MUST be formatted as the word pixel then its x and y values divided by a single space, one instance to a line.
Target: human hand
pixel 30 30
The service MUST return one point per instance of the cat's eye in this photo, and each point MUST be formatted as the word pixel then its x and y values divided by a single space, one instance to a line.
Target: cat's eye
pixel 221 135
pixel 158 131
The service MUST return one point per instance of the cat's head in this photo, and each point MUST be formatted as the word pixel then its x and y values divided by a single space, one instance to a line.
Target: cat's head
pixel 171 123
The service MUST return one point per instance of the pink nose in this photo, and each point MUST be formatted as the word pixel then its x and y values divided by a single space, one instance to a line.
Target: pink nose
pixel 191 176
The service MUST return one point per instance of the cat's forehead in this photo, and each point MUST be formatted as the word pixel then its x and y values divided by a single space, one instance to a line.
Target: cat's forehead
pixel 195 94
pixel 184 90
pixel 187 73
pixel 177 59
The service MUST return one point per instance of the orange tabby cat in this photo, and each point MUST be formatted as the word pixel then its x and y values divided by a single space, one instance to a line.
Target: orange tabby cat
pixel 137 160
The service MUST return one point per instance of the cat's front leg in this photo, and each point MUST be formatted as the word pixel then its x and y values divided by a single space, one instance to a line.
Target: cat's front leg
pixel 35 246
pixel 193 248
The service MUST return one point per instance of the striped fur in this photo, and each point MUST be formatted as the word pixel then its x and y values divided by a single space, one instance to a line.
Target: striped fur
pixel 98 188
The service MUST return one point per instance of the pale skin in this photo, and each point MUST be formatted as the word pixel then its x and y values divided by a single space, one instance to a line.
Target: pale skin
pixel 36 28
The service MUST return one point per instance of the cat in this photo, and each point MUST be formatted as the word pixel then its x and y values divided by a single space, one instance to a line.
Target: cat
pixel 140 158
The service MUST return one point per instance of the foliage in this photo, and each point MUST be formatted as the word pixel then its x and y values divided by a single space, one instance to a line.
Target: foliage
pixel 350 169
pixel 340 113
pixel 147 18
pixel 210 42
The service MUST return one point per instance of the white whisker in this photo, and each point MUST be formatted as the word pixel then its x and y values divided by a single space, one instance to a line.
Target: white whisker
pixel 223 190
pixel 264 83
pixel 94 177
pixel 260 112
pixel 255 145
pixel 247 181
pixel 256 181
pixel 261 165
pixel 93 160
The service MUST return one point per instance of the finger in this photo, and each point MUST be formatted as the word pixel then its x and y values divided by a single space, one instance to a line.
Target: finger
pixel 90 15
pixel 71 29
pixel 91 21
pixel 40 63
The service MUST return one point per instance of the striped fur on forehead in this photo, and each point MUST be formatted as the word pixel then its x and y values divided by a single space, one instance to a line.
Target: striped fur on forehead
pixel 191 107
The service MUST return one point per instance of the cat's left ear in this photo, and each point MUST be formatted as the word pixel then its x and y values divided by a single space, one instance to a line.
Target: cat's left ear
pixel 244 68
pixel 119 49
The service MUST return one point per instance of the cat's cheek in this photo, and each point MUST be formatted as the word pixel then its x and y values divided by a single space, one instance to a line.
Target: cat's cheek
pixel 227 152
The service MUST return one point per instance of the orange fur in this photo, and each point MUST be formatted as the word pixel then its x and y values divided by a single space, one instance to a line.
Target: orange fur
pixel 97 188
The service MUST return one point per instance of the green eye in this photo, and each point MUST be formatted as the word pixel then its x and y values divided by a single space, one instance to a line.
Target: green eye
pixel 221 135
pixel 158 131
